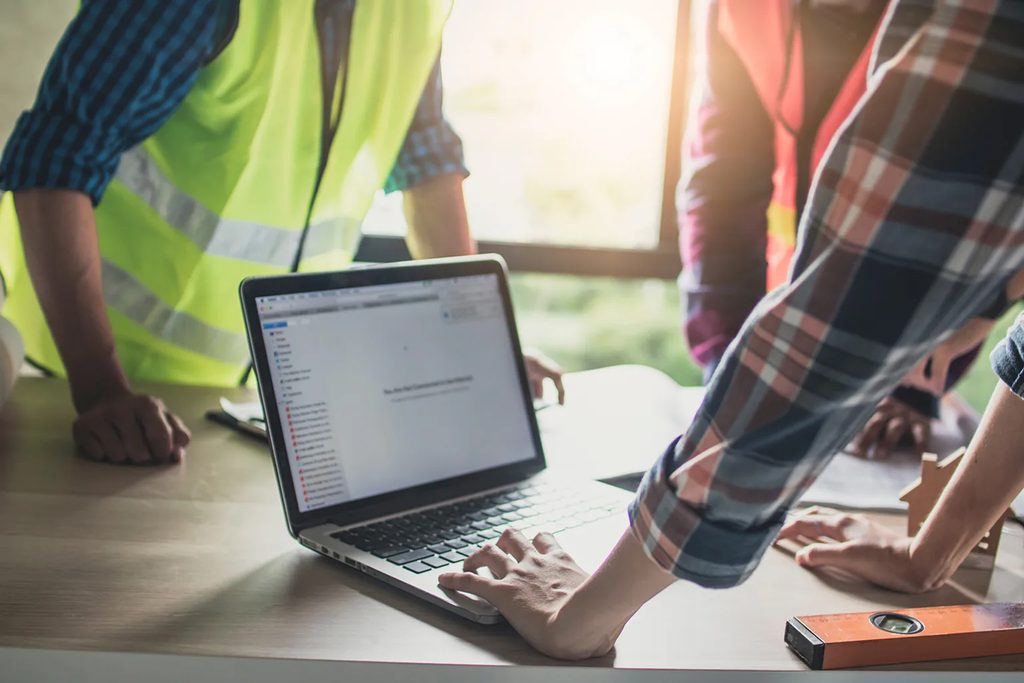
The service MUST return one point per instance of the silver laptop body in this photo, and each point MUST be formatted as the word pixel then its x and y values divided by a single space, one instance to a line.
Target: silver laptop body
pixel 402 426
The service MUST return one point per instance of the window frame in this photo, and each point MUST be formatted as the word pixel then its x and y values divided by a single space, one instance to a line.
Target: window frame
pixel 661 262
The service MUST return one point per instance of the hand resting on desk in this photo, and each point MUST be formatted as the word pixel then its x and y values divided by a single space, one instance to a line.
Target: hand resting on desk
pixel 856 545
pixel 130 428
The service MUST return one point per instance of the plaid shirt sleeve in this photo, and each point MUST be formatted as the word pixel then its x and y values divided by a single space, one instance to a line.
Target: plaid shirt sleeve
pixel 915 219
pixel 431 146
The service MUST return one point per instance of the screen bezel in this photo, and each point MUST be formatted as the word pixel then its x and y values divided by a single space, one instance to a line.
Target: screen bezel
pixel 424 494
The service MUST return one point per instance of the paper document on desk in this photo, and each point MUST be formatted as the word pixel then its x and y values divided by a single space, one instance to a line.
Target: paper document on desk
pixel 853 482
pixel 246 412
pixel 616 421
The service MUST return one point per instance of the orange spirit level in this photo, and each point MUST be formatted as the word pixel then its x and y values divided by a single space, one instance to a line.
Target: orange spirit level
pixel 839 641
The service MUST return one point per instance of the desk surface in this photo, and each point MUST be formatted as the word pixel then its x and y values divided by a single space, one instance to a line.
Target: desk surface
pixel 195 559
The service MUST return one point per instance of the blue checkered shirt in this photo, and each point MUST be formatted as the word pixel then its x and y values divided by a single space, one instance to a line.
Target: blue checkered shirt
pixel 120 71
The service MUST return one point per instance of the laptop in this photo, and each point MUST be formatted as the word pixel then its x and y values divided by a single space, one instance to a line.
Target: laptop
pixel 402 425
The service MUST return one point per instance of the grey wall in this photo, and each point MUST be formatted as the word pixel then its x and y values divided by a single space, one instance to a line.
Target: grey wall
pixel 28 31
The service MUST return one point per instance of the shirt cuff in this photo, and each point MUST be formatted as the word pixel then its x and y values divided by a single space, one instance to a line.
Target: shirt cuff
pixel 1007 358
pixel 34 157
pixel 683 542
pixel 427 152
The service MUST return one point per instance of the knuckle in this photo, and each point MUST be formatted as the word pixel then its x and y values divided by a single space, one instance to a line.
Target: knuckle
pixel 149 403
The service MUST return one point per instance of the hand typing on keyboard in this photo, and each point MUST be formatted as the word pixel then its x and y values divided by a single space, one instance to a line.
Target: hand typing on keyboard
pixel 532 581
pixel 556 606
pixel 442 536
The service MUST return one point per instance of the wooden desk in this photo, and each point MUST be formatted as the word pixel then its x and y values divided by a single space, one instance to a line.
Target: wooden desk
pixel 195 560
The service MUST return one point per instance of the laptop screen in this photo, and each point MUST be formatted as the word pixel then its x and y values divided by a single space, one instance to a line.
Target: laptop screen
pixel 385 387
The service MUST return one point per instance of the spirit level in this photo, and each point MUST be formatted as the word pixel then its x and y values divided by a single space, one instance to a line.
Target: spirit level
pixel 839 641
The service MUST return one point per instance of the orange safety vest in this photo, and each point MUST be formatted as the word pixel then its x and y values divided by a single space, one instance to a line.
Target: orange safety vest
pixel 759 32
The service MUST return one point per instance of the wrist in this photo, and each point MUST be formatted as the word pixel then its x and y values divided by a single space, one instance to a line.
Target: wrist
pixel 928 570
pixel 91 389
pixel 584 624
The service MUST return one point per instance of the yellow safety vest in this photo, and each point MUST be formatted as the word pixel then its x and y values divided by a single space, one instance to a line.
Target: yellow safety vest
pixel 223 189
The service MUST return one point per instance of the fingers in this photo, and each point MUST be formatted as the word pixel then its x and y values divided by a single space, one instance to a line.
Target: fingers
pixel 891 437
pixel 868 436
pixel 110 441
pixel 511 547
pixel 885 564
pixel 815 522
pixel 131 428
pixel 537 387
pixel 498 562
pixel 815 527
pixel 156 428
pixel 824 555
pixel 894 424
pixel 514 543
pixel 126 424
pixel 920 432
pixel 862 560
pixel 559 387
pixel 546 543
pixel 467 582
pixel 87 442
pixel 181 434
pixel 539 368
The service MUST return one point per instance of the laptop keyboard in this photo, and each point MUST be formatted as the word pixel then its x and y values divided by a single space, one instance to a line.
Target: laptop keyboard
pixel 446 535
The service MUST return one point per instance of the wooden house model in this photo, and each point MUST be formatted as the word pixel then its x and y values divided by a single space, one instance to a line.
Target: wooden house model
pixel 922 495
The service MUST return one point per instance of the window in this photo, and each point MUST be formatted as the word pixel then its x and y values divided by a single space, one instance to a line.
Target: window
pixel 571 115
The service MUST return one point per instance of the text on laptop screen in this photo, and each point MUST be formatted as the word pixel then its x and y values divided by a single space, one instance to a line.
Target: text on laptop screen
pixel 386 387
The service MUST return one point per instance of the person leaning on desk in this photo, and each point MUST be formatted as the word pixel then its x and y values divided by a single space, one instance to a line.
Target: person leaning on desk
pixel 914 226
pixel 177 147
pixel 769 102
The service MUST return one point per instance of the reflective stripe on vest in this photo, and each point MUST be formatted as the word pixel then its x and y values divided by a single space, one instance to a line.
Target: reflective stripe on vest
pixel 759 32
pixel 130 298
pixel 236 239
pixel 222 190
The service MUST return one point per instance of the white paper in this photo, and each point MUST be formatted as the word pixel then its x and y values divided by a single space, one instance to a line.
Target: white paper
pixel 243 412
pixel 616 421
pixel 853 482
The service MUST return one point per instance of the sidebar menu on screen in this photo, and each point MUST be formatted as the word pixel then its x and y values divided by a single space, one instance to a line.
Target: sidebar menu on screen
pixel 309 438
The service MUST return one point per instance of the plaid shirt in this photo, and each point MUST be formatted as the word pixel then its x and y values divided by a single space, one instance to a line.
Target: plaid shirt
pixel 120 72
pixel 914 222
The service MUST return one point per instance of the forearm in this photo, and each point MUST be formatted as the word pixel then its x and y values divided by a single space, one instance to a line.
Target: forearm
pixel 58 229
pixel 988 478
pixel 436 213
pixel 627 579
